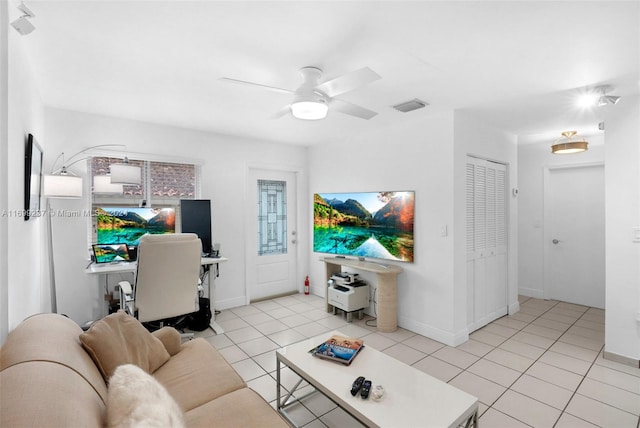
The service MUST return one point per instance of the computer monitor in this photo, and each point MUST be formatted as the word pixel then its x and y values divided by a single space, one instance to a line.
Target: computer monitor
pixel 195 215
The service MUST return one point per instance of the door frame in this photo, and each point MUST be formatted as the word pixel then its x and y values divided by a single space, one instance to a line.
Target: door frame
pixel 250 240
pixel 547 235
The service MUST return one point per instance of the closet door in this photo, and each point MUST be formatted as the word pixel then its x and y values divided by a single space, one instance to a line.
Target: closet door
pixel 486 241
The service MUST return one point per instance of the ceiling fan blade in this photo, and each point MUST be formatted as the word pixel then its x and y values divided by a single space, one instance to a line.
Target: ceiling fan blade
pixel 245 83
pixel 282 112
pixel 348 82
pixel 351 109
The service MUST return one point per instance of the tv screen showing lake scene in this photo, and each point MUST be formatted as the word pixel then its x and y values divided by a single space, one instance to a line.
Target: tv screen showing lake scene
pixel 377 225
pixel 128 224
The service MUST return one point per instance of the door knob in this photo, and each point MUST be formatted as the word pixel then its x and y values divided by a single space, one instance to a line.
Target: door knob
pixel 555 241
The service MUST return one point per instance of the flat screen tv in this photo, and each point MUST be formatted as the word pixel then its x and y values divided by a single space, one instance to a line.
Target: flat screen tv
pixel 377 225
pixel 128 224
pixel 195 217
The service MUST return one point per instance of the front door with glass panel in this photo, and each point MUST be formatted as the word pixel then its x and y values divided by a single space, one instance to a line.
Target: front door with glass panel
pixel 271 243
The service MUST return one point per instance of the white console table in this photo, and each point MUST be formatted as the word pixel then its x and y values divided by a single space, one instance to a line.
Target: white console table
pixel 386 283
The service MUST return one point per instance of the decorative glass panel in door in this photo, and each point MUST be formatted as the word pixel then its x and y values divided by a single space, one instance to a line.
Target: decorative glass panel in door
pixel 272 217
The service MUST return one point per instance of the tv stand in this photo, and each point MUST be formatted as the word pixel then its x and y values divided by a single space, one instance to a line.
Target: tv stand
pixel 386 282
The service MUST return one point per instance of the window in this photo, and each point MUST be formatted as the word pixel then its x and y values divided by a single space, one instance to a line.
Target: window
pixel 163 185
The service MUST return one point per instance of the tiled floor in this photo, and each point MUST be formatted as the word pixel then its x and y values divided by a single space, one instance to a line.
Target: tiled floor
pixel 541 367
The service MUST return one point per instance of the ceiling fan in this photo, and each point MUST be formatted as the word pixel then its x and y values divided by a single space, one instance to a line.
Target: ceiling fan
pixel 312 100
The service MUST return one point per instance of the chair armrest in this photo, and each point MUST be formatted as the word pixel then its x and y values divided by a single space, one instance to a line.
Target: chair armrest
pixel 126 297
pixel 170 338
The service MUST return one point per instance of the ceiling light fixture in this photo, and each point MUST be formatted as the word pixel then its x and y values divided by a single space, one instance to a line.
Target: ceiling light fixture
pixel 22 24
pixel 309 103
pixel 309 107
pixel 569 145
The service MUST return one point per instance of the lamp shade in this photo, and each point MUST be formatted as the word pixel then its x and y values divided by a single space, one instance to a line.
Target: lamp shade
pixel 62 186
pixel 102 184
pixel 123 173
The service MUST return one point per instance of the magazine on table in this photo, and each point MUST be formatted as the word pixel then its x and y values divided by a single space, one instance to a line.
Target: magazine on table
pixel 338 348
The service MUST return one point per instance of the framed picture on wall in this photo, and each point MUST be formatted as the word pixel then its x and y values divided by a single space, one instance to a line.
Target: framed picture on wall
pixel 32 178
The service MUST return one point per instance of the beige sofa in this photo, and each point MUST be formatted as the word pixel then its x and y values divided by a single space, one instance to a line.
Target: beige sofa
pixel 49 375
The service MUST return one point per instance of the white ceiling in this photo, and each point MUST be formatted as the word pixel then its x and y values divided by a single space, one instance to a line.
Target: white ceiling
pixel 518 65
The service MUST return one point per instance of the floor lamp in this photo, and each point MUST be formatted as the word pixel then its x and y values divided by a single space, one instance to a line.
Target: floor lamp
pixel 62 184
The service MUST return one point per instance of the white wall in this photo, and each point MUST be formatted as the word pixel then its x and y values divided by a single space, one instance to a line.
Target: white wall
pixel 414 154
pixel 23 291
pixel 476 138
pixel 533 157
pixel 622 196
pixel 225 162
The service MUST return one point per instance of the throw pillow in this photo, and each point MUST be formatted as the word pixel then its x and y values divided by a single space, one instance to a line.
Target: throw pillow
pixel 121 339
pixel 136 399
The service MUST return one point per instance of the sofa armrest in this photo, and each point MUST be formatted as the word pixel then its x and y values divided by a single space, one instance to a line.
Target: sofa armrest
pixel 170 338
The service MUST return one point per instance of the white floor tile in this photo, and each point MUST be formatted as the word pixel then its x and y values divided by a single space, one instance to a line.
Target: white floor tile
pixel 495 419
pixel 566 362
pixel 486 391
pixel 509 359
pixel 494 372
pixel 404 353
pixel 616 378
pixel 555 375
pixel 599 413
pixel 474 347
pixel 611 395
pixel 424 344
pixel 437 368
pixel 542 391
pixel 527 410
pixel 455 356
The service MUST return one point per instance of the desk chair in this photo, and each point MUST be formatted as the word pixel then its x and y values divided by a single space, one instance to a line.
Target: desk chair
pixel 166 281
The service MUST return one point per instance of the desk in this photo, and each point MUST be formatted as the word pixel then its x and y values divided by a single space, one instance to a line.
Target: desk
pixel 131 267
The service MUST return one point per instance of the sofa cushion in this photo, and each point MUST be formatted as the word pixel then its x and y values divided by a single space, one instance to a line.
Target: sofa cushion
pixel 121 339
pixel 136 399
pixel 241 408
pixel 197 374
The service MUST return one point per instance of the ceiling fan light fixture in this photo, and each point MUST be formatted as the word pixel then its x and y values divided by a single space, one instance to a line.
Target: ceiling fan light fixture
pixel 567 145
pixel 309 110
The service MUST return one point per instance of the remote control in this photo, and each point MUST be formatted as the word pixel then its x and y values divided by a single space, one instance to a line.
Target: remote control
pixel 357 384
pixel 366 387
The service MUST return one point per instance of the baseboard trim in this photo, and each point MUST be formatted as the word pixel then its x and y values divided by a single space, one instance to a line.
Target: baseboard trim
pixel 627 361
pixel 446 337
pixel 531 292
pixel 513 307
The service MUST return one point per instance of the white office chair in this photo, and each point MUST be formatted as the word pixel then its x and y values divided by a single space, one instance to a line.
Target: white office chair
pixel 166 281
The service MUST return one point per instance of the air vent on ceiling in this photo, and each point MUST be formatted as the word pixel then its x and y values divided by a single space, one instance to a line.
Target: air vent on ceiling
pixel 408 106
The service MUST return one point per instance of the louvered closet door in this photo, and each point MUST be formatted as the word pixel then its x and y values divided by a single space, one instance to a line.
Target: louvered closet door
pixel 486 242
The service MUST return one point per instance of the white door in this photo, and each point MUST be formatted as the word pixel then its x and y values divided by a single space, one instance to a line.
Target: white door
pixel 272 237
pixel 574 235
pixel 486 242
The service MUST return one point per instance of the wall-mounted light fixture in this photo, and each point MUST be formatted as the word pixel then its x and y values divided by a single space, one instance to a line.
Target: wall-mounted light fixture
pixel 569 143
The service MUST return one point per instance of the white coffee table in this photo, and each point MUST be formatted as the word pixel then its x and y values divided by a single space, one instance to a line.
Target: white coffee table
pixel 411 399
